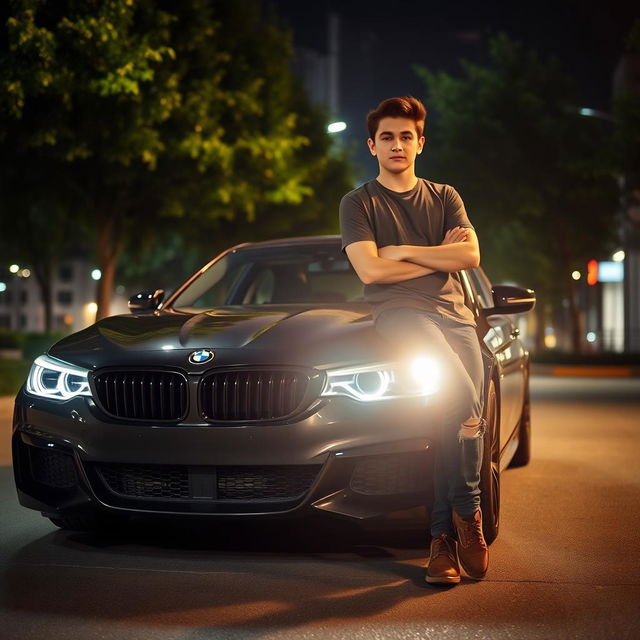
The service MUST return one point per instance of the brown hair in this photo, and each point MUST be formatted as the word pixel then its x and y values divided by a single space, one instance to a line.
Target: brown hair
pixel 404 107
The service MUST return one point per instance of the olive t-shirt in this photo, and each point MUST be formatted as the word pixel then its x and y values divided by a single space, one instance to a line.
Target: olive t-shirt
pixel 420 216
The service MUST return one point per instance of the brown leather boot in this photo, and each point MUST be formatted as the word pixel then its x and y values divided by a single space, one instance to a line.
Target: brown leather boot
pixel 472 549
pixel 443 561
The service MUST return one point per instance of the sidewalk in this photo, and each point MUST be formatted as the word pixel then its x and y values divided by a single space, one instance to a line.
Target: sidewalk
pixel 6 415
pixel 585 370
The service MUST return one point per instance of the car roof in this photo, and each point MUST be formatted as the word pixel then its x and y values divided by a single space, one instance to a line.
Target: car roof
pixel 287 242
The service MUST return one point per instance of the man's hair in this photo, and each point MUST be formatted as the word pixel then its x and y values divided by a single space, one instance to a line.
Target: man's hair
pixel 404 107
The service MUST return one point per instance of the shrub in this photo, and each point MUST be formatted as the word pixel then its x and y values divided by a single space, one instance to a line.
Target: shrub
pixel 35 344
pixel 10 339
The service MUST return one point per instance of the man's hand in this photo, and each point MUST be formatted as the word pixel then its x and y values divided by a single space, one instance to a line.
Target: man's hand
pixel 457 234
pixel 459 250
pixel 372 269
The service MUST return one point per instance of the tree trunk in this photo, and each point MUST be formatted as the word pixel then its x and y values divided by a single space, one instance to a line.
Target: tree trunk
pixel 45 290
pixel 574 311
pixel 540 326
pixel 110 246
pixel 43 273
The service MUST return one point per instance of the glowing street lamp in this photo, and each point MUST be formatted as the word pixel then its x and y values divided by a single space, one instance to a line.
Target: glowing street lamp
pixel 336 127
pixel 618 256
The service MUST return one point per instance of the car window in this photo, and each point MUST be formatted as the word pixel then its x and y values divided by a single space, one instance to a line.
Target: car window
pixel 302 282
pixel 482 286
pixel 468 290
pixel 274 275
pixel 215 289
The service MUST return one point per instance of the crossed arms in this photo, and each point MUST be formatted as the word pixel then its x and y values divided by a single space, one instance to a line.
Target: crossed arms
pixel 395 263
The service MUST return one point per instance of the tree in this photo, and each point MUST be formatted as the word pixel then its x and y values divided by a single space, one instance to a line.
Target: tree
pixel 626 111
pixel 35 230
pixel 165 259
pixel 535 174
pixel 152 111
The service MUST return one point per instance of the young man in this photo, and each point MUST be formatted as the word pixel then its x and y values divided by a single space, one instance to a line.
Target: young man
pixel 406 238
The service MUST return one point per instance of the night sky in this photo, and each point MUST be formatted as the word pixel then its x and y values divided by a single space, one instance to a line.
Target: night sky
pixel 383 40
pixel 587 37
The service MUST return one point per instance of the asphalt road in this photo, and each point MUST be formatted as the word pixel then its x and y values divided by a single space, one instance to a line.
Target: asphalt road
pixel 565 565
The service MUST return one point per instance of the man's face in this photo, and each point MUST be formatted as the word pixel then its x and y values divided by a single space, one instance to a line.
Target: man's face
pixel 396 144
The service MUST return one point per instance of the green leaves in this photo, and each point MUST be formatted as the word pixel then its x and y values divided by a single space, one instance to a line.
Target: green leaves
pixel 149 110
pixel 536 176
pixel 510 137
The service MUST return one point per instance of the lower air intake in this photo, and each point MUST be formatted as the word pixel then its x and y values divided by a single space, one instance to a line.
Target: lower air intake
pixel 391 474
pixel 246 484
pixel 52 468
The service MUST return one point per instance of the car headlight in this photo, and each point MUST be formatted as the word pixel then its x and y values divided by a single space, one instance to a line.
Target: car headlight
pixel 57 380
pixel 385 381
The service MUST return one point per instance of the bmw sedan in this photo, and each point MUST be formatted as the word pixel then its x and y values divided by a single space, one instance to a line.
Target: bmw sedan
pixel 258 389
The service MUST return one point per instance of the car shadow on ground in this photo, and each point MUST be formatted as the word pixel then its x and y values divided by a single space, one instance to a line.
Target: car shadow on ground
pixel 297 535
pixel 218 574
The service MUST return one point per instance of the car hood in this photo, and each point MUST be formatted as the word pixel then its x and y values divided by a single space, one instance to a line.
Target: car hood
pixel 238 335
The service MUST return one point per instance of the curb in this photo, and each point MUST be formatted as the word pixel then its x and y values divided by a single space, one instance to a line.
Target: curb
pixel 585 371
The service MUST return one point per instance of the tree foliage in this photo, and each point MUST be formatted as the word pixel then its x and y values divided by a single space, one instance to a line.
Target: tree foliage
pixel 536 176
pixel 626 111
pixel 154 113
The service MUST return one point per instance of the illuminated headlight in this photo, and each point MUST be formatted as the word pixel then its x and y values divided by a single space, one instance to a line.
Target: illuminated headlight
pixel 419 377
pixel 57 380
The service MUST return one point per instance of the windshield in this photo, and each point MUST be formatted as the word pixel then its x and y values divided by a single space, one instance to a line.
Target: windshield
pixel 310 274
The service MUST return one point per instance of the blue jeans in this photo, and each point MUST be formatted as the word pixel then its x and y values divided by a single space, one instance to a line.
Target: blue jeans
pixel 458 457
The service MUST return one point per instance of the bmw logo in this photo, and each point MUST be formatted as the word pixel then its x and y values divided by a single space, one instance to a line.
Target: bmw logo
pixel 200 357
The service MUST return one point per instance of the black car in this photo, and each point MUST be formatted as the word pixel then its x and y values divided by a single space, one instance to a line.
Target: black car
pixel 260 388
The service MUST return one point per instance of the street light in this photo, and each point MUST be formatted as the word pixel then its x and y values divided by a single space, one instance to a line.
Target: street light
pixel 618 256
pixel 336 127
pixel 594 113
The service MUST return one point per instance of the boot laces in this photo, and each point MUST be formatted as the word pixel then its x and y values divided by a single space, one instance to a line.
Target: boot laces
pixel 443 545
pixel 470 532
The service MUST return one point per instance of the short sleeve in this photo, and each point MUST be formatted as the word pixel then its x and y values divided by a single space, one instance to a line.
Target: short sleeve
pixel 354 223
pixel 455 215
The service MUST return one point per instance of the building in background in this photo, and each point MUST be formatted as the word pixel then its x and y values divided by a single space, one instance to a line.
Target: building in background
pixel 73 298
pixel 627 81
pixel 331 69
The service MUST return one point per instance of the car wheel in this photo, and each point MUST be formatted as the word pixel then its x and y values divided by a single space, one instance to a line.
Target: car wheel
pixel 490 470
pixel 94 522
pixel 523 453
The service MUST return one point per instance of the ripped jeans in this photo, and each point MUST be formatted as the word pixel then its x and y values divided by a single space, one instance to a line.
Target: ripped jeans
pixel 458 456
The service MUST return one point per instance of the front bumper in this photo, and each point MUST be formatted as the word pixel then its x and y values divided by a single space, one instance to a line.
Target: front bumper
pixel 360 460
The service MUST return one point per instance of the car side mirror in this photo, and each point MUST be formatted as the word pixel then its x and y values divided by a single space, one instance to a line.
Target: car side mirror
pixel 146 300
pixel 508 299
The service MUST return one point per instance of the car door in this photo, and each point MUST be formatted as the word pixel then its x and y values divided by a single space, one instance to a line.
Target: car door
pixel 501 335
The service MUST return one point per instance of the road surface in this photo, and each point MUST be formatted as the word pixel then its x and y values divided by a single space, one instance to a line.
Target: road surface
pixel 565 565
